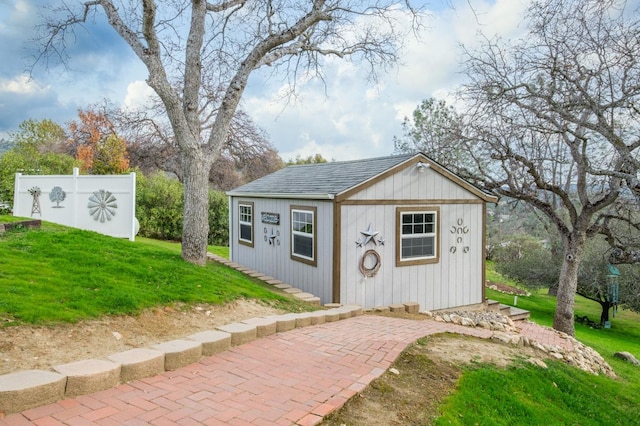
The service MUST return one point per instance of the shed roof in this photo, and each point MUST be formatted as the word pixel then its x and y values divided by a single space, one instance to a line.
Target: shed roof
pixel 327 180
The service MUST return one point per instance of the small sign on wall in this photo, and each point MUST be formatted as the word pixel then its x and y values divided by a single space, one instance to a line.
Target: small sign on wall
pixel 271 218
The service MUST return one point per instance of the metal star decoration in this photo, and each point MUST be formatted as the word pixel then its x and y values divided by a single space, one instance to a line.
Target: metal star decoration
pixel 369 235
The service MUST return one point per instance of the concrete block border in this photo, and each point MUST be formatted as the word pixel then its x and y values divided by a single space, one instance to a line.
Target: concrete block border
pixel 24 390
pixel 29 389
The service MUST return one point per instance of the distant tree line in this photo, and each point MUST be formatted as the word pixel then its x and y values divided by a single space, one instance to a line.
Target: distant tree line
pixel 108 141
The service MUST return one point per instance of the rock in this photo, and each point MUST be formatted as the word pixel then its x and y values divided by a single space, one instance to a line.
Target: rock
pixel 484 324
pixel 502 337
pixel 537 362
pixel 626 356
pixel 394 371
pixel 498 326
pixel 456 319
pixel 539 347
pixel 505 331
pixel 468 322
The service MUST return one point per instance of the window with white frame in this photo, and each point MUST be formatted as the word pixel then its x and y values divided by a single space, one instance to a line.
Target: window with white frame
pixel 245 223
pixel 417 235
pixel 303 234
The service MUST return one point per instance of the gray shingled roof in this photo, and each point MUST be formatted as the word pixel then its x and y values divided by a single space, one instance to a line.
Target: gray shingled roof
pixel 321 179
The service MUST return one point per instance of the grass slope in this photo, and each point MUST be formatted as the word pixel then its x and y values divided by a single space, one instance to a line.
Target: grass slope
pixel 437 391
pixel 561 395
pixel 59 274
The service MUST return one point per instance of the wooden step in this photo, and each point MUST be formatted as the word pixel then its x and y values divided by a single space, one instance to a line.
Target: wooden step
pixel 505 310
pixel 493 305
pixel 518 314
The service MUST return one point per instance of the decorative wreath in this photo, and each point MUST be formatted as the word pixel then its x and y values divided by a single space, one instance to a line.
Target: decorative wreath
pixel 370 272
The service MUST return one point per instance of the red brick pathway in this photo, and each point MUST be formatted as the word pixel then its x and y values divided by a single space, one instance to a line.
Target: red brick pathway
pixel 288 378
pixel 543 335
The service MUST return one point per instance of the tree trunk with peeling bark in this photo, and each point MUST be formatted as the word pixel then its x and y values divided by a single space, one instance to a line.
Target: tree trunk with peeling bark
pixel 195 230
pixel 563 318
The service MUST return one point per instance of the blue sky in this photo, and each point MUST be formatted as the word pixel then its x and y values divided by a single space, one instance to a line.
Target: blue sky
pixel 350 118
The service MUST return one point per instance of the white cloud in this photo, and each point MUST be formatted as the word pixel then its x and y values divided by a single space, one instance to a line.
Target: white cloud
pixel 22 84
pixel 357 119
pixel 138 95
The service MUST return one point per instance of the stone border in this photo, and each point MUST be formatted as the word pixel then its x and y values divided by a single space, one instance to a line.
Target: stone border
pixel 287 288
pixel 29 224
pixel 505 331
pixel 29 389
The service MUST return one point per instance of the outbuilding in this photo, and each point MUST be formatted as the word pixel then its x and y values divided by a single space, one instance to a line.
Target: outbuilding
pixel 373 232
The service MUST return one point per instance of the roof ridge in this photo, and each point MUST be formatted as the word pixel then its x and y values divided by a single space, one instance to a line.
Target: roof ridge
pixel 409 155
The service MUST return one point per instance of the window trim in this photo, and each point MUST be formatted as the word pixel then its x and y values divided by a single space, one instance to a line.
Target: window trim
pixel 313 261
pixel 242 241
pixel 424 260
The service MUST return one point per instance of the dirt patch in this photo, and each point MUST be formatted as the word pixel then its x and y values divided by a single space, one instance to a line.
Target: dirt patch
pixel 30 347
pixel 410 392
pixel 504 288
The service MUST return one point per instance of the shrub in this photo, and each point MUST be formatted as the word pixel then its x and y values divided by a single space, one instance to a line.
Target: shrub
pixel 218 218
pixel 160 204
pixel 527 260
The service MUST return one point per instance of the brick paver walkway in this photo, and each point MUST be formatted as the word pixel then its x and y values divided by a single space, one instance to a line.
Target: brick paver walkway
pixel 296 377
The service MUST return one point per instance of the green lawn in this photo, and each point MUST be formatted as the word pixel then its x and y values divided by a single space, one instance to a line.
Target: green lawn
pixel 58 274
pixel 560 395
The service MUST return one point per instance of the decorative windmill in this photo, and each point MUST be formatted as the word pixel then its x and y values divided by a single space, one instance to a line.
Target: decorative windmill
pixel 35 206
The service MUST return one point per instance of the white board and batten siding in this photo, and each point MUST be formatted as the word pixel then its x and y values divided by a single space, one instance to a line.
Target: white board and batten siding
pixel 275 259
pixel 115 218
pixel 455 280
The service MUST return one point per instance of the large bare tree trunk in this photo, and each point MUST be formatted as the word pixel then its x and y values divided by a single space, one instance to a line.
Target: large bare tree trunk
pixel 563 319
pixel 195 228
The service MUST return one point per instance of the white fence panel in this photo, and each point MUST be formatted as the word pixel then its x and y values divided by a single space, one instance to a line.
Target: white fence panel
pixel 100 203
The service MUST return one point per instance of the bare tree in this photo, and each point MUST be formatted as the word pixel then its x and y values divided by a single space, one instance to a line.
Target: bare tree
pixel 246 155
pixel 224 41
pixel 557 114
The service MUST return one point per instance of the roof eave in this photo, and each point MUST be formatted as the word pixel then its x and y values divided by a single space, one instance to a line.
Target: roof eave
pixel 282 195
